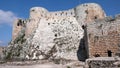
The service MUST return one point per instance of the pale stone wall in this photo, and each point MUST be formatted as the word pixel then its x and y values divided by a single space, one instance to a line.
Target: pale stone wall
pixel 56 38
pixel 67 13
pixel 83 13
pixel 17 27
pixel 31 25
pixel 37 13
pixel 103 35
pixel 88 12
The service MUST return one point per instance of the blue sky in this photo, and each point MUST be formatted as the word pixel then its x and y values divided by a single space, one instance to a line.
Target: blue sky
pixel 12 9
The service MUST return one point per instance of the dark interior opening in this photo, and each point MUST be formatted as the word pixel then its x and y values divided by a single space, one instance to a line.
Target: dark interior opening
pixel 17 24
pixel 86 11
pixel 109 53
pixel 33 10
pixel 48 23
pixel 95 17
pixel 96 55
pixel 55 35
pixel 83 27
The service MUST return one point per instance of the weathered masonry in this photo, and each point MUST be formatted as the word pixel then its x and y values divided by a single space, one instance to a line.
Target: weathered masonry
pixel 104 37
pixel 82 13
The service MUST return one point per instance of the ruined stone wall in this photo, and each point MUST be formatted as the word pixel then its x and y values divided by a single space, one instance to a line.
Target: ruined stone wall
pixel 38 13
pixel 103 35
pixel 103 62
pixel 86 13
pixel 17 27
pixel 30 26
pixel 57 34
pixel 67 13
pixel 61 35
pixel 83 13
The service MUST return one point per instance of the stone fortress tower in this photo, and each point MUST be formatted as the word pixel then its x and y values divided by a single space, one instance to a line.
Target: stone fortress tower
pixel 59 34
pixel 103 37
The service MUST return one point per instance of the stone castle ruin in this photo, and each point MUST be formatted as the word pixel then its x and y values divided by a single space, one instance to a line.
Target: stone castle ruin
pixel 74 34
pixel 83 13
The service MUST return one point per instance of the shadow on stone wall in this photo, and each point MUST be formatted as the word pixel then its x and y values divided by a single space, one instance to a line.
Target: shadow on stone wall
pixel 82 52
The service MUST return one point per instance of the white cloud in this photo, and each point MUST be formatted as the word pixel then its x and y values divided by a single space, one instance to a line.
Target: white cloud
pixel 1 42
pixel 7 17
